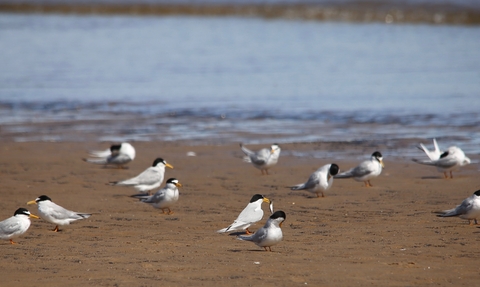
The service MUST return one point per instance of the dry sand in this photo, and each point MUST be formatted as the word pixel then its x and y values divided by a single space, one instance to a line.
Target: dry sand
pixel 386 235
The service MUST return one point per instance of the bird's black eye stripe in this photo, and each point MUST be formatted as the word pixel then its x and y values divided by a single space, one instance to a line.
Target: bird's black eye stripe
pixel 43 198
pixel 172 180
pixel 22 210
pixel 157 161
pixel 278 214
pixel 256 197
pixel 377 154
pixel 334 169
pixel 115 147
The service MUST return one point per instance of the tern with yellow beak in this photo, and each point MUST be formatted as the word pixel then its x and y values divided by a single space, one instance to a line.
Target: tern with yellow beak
pixel 54 213
pixel 251 214
pixel 16 225
pixel 366 170
pixel 149 179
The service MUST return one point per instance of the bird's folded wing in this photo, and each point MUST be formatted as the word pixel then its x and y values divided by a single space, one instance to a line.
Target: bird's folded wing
pixel 61 213
pixel 358 171
pixel 250 215
pixel 446 162
pixel 100 153
pixel 118 158
pixel 147 177
pixel 9 227
pixel 157 197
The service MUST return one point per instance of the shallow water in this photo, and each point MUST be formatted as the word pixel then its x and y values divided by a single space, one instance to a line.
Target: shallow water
pixel 230 79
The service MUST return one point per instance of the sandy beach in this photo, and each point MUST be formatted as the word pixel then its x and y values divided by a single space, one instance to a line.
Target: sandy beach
pixel 386 235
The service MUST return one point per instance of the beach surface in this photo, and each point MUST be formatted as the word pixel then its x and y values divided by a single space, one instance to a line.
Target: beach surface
pixel 386 235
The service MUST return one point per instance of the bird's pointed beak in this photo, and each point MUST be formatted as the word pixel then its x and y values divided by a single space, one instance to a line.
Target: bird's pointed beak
pixel 280 224
pixel 381 162
pixel 266 200
pixel 34 216
pixel 31 202
pixel 178 184
pixel 169 165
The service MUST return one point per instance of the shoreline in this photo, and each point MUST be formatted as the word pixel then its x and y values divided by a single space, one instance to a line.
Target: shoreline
pixel 398 140
pixel 385 235
pixel 361 12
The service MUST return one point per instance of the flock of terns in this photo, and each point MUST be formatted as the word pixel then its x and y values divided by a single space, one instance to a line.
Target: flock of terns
pixel 268 235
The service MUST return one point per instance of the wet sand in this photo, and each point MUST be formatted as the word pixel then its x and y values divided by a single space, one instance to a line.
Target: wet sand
pixel 349 11
pixel 386 235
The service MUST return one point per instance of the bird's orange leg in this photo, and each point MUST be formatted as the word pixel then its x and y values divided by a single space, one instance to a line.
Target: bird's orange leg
pixel 11 242
pixel 55 229
pixel 169 211
pixel 472 221
pixel 248 231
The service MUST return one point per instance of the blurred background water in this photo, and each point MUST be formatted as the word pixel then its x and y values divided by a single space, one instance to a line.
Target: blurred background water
pixel 239 77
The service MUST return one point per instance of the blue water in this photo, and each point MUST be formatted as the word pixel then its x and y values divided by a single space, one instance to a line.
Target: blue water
pixel 223 78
